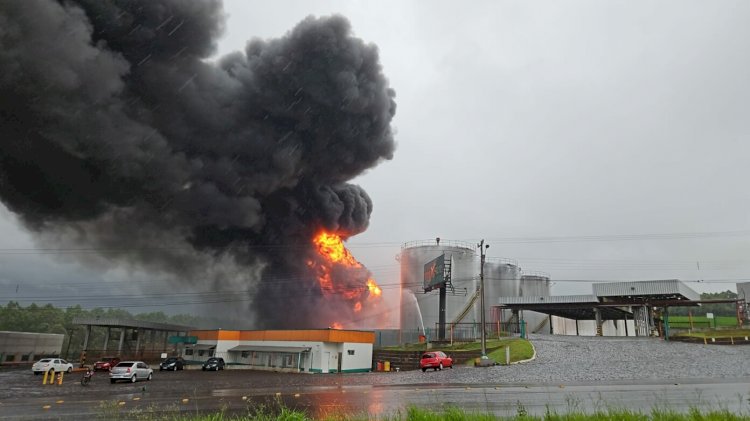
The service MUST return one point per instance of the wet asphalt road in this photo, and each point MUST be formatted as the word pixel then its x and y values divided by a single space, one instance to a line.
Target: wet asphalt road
pixel 23 396
pixel 568 373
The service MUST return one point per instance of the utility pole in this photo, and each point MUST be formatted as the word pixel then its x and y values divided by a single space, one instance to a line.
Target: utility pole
pixel 482 248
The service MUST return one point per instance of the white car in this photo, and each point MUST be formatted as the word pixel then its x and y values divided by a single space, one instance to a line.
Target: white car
pixel 131 371
pixel 57 365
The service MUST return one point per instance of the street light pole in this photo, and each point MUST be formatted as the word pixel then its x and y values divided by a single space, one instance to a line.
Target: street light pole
pixel 482 247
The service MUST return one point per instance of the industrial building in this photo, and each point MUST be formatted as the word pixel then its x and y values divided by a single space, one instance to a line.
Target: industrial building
pixel 26 347
pixel 308 351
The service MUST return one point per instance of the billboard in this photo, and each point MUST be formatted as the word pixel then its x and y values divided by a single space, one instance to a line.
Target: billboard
pixel 434 273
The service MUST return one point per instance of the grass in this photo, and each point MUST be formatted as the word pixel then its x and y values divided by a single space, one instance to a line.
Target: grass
pixel 718 334
pixel 452 413
pixel 702 322
pixel 520 349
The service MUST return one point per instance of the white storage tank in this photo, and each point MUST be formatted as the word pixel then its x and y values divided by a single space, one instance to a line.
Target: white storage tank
pixel 535 284
pixel 420 310
pixel 502 278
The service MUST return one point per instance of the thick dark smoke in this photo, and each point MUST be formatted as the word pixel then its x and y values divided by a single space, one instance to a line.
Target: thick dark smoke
pixel 117 133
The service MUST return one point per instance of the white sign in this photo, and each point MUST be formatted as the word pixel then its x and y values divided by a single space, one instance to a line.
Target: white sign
pixel 163 355
pixel 709 315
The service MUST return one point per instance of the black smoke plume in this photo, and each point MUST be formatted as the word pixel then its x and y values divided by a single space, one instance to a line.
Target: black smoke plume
pixel 118 132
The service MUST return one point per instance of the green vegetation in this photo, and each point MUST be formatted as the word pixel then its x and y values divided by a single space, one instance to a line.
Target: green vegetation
pixel 724 309
pixel 702 322
pixel 737 334
pixel 50 319
pixel 412 413
pixel 520 349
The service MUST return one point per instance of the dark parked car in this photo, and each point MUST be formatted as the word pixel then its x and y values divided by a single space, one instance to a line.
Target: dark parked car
pixel 213 363
pixel 436 360
pixel 172 363
pixel 105 363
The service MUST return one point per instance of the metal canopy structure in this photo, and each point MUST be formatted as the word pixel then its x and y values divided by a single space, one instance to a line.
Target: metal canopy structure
pixel 611 301
pixel 575 307
pixel 670 290
pixel 136 327
pixel 130 324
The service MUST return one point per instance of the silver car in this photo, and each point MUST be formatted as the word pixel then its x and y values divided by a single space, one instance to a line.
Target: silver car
pixel 131 371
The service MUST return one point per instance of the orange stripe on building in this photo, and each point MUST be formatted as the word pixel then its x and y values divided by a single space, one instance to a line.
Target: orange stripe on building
pixel 320 335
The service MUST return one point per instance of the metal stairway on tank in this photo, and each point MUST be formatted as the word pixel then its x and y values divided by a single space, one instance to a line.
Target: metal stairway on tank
pixel 468 307
pixel 539 326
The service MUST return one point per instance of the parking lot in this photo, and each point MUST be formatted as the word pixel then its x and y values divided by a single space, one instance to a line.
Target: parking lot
pixel 633 371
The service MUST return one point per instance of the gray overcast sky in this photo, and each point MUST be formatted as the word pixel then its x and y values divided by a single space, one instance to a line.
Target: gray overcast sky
pixel 538 119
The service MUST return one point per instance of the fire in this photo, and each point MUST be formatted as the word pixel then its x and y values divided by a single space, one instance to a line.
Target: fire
pixel 332 247
pixel 374 289
pixel 340 275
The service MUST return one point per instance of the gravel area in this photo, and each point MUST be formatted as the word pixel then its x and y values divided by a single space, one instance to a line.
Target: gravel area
pixel 571 359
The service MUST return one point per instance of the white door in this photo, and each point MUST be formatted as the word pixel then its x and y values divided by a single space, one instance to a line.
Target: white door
pixel 326 362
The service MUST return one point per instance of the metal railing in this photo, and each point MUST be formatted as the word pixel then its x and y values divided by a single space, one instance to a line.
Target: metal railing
pixel 448 243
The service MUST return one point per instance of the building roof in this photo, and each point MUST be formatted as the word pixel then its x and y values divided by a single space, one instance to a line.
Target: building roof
pixel 129 323
pixel 642 291
pixel 577 307
pixel 611 299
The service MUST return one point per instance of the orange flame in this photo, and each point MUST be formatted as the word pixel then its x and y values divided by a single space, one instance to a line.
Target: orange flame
pixel 374 289
pixel 331 247
pixel 337 325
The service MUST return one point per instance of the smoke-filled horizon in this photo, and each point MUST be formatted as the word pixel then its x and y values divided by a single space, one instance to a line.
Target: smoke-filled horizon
pixel 119 134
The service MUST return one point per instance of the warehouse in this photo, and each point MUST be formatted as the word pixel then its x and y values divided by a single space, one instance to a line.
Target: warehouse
pixel 26 347
pixel 308 351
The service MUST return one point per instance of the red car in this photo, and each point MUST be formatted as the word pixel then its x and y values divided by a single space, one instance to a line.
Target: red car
pixel 106 363
pixel 436 360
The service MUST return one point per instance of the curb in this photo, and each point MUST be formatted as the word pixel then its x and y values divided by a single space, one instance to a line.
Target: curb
pixel 533 357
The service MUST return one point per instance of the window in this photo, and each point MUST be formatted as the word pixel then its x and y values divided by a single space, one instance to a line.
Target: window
pixel 210 352
pixel 245 354
pixel 287 360
pixel 201 352
pixel 350 352
pixel 9 358
pixel 25 357
pixel 189 351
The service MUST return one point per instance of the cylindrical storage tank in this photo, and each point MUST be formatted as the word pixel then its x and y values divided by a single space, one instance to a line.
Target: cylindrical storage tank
pixel 535 284
pixel 420 310
pixel 502 278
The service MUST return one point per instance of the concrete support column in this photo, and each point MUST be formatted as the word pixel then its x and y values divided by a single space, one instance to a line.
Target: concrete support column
pixel 550 325
pixel 577 334
pixel 122 341
pixel 86 338
pixel 106 339
pixel 598 315
pixel 137 341
pixel 626 325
